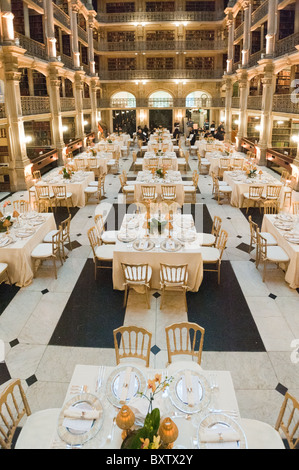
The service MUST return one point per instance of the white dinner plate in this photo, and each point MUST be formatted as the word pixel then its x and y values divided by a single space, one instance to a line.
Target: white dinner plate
pixel 113 386
pixel 221 424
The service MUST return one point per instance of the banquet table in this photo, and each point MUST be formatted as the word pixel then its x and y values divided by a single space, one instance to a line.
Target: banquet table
pixel 269 224
pixel 134 229
pixel 168 155
pixel 215 156
pixel 218 394
pixel 18 253
pixel 102 158
pixel 76 185
pixel 240 183
pixel 203 146
pixel 173 178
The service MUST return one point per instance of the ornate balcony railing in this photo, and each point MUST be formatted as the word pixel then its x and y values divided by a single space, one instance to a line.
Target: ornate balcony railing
pixel 180 46
pixel 82 34
pixel 35 105
pixel 287 45
pixel 161 103
pixel 61 16
pixel 33 48
pixel 260 13
pixel 151 17
pixel 254 102
pixel 235 102
pixel 286 103
pixel 254 58
pixel 67 104
pixel 86 103
pixel 239 31
pixel 163 74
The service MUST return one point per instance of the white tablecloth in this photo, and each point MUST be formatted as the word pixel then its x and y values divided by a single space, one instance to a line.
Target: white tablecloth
pixel 102 158
pixel 88 375
pixel 75 187
pixel 168 155
pixel 214 159
pixel 240 185
pixel 292 273
pixel 142 179
pixel 18 255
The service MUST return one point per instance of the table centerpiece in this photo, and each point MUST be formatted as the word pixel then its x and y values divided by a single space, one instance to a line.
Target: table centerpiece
pixel 154 434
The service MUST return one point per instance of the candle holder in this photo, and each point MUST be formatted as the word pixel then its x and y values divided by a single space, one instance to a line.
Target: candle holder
pixel 168 433
pixel 125 420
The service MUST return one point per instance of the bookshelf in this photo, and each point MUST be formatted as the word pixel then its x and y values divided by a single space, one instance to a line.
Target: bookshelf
pixel 18 12
pixel 159 6
pixel 286 23
pixel 41 132
pixel 39 83
pixel 283 82
pixel 200 5
pixel 200 35
pixel 36 27
pixel 120 7
pixel 253 133
pixel 120 36
pixel 160 35
pixel 192 63
pixel 158 63
pixel 125 63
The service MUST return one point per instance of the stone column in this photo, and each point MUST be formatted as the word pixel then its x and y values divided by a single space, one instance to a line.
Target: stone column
pixel 56 119
pixel 78 93
pixel 74 33
pixel 272 27
pixel 19 163
pixel 244 92
pixel 247 35
pixel 90 26
pixel 228 108
pixel 49 29
pixel 230 51
pixel 94 107
pixel 8 34
pixel 268 82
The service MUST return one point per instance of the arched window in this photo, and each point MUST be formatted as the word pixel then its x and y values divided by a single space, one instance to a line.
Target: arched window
pixel 160 99
pixel 197 99
pixel 123 99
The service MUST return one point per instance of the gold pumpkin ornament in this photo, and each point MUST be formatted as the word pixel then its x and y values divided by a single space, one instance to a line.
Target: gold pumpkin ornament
pixel 125 420
pixel 168 432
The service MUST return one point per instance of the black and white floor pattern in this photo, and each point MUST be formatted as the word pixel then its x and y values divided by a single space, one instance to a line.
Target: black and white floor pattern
pixel 52 325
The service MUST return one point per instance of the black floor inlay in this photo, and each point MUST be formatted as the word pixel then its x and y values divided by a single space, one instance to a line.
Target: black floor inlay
pixel 257 217
pixel 7 293
pixel 61 214
pixel 223 312
pixel 93 311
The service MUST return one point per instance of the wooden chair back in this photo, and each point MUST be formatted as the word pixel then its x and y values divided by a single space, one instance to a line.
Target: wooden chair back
pixel 270 207
pixel 13 407
pixel 21 206
pixel 273 191
pixel 135 273
pixel 184 338
pixel 288 420
pixel 132 342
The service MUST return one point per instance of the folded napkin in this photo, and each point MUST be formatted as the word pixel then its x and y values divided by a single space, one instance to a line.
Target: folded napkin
pixel 170 245
pixel 143 244
pixel 218 434
pixel 4 241
pixel 189 387
pixel 125 384
pixel 77 413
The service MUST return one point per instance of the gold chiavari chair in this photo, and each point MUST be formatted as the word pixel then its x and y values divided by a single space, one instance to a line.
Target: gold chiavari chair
pixel 64 227
pixel 203 165
pixel 185 338
pixel 37 176
pixel 295 207
pixel 137 162
pixel 80 164
pixel 92 165
pixel 222 192
pixel 15 412
pixel 270 254
pixel 101 253
pixel 191 190
pixel 61 195
pixel 288 189
pixel 173 278
pixel 210 239
pixel 166 163
pixel 271 240
pixel 261 435
pixel 148 193
pixel 224 165
pixel 21 206
pixel 272 193
pixel 254 196
pixel 168 193
pixel 132 342
pixel 45 197
pixel 48 251
pixel 237 164
pixel 137 276
pixel 285 175
pixel 4 275
pixel 216 182
pixel 213 255
pixel 94 191
pixel 127 190
pixel 106 236
pixel 271 207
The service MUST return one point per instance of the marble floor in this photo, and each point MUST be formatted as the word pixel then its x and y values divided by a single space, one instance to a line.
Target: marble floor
pixel 260 378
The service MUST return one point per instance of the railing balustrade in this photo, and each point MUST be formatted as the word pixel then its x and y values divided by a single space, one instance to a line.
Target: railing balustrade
pixel 35 105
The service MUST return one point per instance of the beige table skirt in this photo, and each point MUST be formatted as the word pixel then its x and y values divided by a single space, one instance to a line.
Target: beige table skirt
pixel 191 257
pixel 292 273
pixel 18 255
